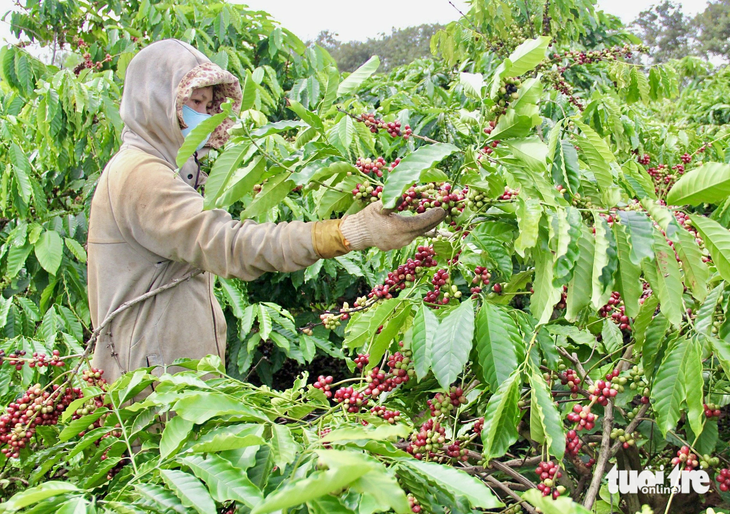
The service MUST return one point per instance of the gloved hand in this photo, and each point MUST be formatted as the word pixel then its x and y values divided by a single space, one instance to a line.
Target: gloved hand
pixel 376 226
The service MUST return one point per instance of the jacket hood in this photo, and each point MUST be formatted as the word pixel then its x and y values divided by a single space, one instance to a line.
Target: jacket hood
pixel 158 82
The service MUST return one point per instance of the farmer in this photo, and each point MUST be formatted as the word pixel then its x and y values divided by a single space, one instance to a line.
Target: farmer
pixel 148 228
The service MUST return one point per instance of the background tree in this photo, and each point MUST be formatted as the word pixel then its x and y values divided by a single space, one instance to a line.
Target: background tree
pixel 666 30
pixel 713 28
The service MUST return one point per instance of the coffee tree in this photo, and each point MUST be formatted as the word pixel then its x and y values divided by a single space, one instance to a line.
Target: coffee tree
pixel 569 315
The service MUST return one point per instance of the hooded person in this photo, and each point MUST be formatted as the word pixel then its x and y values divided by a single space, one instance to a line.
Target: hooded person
pixel 147 226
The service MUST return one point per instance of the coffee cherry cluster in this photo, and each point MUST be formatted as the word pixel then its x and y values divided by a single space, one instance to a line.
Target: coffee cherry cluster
pixel 391 416
pixel 331 320
pixel 455 451
pixel 392 127
pixel 549 474
pixel 324 384
pixel 645 159
pixel 369 166
pixel 413 503
pixel 570 378
pixel 440 281
pixel 555 77
pixel 478 426
pixel 408 272
pixel 36 407
pixel 723 478
pixel 488 149
pixel 625 439
pixel 17 359
pixel 509 193
pixel 508 92
pixel 636 377
pixel 94 377
pixel 445 403
pixel 685 458
pixel 88 63
pixel 515 508
pixel 475 199
pixel 425 197
pixel 362 360
pixel 573 444
pixel 430 437
pixel 401 371
pixel 707 461
pixel 617 382
pixel 617 310
pixel 601 391
pixel 352 399
pixel 367 194
pixel 712 410
pixel 583 416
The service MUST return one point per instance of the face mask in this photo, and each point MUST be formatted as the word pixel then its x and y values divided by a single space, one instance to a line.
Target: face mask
pixel 192 119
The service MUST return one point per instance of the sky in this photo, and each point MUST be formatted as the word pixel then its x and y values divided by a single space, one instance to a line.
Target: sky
pixel 368 18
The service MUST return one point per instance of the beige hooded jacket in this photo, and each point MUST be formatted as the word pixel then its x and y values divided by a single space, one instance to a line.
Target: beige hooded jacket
pixel 148 227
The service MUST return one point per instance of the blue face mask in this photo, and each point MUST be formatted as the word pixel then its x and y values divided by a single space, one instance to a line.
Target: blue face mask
pixel 192 119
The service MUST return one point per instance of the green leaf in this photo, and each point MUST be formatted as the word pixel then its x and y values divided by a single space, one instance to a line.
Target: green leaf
pixel 283 446
pixel 546 294
pixel 665 280
pixel 501 417
pixel 425 327
pixel 380 433
pixel 408 171
pixel 693 385
pixel 189 489
pixel 717 241
pixel 544 411
pixel 229 437
pixel 457 482
pixel 565 169
pixel 384 489
pixel 710 183
pixel 628 278
pixel 500 346
pixel 276 128
pixel 176 431
pixel 198 134
pixel 598 154
pixel 307 116
pixel 223 169
pixel 22 169
pixel 452 343
pixel 333 83
pixel 39 493
pixel 529 213
pixel 249 92
pixel 302 490
pixel 472 84
pixel 668 390
pixel 49 251
pixel 199 407
pixel 273 192
pixel 721 349
pixel 696 273
pixel 512 125
pixel 225 482
pixel 569 223
pixel 166 501
pixel 353 82
pixel 643 319
pixel 640 233
pixel 706 312
pixel 363 326
pixel 580 288
pixel 79 425
pixel 527 56
pixel 654 340
pixel 561 505
pixel 391 327
pixel 604 262
pixel 76 249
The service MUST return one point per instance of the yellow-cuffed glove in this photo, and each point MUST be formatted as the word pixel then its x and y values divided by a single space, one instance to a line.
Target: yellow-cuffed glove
pixel 383 228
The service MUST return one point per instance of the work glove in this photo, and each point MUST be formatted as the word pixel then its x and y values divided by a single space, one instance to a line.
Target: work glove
pixel 376 226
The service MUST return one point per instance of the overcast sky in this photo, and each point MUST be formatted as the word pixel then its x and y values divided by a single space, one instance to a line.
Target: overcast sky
pixel 358 20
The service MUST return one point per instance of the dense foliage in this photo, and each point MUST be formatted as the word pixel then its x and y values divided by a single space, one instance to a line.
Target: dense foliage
pixel 570 314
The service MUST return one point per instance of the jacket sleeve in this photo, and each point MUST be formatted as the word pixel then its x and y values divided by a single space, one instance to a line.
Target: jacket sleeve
pixel 156 209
